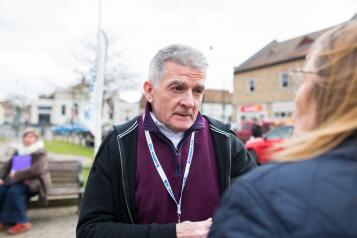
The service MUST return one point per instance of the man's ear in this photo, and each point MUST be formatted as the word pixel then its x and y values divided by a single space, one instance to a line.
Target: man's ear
pixel 148 91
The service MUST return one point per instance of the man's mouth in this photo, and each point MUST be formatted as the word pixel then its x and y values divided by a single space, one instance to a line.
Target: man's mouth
pixel 183 114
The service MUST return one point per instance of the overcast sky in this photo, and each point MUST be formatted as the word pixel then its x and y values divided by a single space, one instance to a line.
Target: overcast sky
pixel 38 36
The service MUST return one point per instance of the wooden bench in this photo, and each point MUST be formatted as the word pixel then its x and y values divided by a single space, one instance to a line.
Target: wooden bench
pixel 67 184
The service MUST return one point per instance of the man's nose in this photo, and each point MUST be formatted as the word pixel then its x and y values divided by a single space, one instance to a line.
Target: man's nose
pixel 188 100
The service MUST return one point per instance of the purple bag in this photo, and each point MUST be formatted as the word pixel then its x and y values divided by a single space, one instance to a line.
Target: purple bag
pixel 21 162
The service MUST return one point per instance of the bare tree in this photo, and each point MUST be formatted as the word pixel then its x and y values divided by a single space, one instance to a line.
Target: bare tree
pixel 117 73
pixel 82 61
pixel 19 105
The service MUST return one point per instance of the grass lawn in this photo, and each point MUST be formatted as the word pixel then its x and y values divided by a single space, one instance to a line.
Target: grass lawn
pixel 85 173
pixel 64 147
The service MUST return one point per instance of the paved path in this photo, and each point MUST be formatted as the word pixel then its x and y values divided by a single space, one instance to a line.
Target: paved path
pixel 50 223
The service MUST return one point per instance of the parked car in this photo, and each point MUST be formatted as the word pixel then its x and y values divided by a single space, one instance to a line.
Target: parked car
pixel 68 128
pixel 246 130
pixel 259 147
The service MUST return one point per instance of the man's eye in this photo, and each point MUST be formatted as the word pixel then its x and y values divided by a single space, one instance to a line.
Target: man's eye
pixel 198 90
pixel 177 88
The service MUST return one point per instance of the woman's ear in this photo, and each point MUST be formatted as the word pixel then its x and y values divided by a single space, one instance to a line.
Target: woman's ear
pixel 148 91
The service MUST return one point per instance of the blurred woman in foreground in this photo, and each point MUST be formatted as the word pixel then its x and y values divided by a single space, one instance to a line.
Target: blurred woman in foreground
pixel 312 192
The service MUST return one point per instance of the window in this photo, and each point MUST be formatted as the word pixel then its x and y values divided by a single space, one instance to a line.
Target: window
pixel 305 43
pixel 44 108
pixel 251 85
pixel 63 110
pixel 283 114
pixel 75 109
pixel 284 80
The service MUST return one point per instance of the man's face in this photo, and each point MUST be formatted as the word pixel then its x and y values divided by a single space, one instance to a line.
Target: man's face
pixel 177 98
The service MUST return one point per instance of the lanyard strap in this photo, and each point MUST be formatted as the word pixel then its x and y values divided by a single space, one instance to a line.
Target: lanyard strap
pixel 162 173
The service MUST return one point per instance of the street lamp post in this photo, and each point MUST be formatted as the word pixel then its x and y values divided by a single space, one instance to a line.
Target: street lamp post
pixel 223 101
pixel 223 90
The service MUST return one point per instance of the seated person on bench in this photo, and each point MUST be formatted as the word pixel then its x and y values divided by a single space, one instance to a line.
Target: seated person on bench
pixel 24 175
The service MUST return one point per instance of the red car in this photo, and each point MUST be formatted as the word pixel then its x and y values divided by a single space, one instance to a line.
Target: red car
pixel 258 147
pixel 246 130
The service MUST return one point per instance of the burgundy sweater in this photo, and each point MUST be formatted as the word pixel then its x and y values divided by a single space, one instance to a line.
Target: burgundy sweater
pixel 201 195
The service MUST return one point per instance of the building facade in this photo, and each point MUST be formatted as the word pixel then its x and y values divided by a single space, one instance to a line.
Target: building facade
pixel 217 104
pixel 65 107
pixel 7 113
pixel 263 86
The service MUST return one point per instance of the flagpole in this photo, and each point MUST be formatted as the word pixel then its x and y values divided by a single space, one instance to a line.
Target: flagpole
pixel 101 57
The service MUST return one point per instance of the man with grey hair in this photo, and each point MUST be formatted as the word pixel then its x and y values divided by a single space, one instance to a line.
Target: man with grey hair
pixel 162 174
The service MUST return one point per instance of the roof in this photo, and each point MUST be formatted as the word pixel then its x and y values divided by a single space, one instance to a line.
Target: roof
pixel 278 52
pixel 6 104
pixel 42 96
pixel 217 96
pixel 354 17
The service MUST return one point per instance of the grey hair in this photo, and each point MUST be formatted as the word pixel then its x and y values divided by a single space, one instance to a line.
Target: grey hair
pixel 181 54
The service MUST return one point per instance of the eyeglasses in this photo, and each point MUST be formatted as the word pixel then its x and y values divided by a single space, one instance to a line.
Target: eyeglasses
pixel 297 77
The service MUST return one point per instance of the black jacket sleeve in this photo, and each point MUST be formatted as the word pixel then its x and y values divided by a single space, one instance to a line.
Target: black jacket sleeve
pixel 242 161
pixel 98 213
pixel 243 214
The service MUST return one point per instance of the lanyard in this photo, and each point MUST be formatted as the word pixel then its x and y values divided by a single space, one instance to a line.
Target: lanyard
pixel 163 175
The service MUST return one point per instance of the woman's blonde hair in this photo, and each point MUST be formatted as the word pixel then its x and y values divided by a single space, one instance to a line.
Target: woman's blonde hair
pixel 334 92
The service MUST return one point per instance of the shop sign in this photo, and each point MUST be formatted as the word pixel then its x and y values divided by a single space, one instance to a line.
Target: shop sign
pixel 251 108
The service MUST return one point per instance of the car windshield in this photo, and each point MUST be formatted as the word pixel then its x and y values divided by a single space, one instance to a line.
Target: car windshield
pixel 280 133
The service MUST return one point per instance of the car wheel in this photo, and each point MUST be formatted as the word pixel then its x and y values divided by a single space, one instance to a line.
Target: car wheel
pixel 254 155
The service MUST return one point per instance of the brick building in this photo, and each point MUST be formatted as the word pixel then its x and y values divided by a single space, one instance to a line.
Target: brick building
pixel 262 86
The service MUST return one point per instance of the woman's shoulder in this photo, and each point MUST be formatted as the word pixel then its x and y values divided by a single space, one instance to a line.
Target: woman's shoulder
pixel 39 153
pixel 279 182
pixel 267 181
pixel 289 173
pixel 276 170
